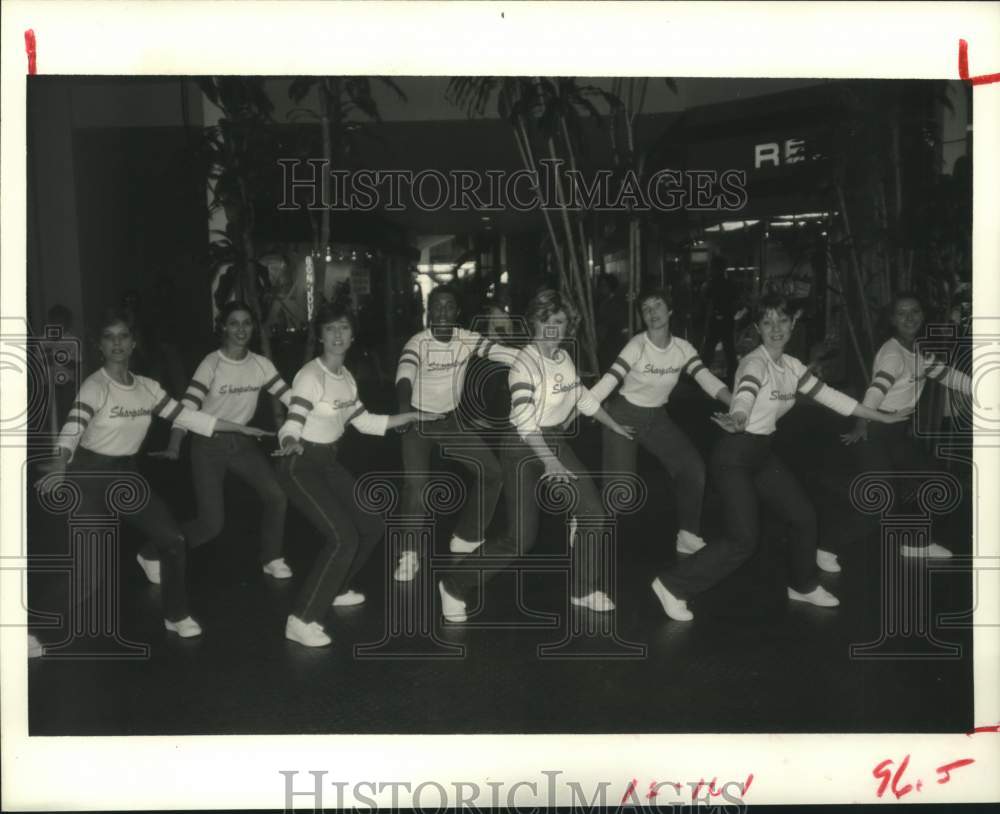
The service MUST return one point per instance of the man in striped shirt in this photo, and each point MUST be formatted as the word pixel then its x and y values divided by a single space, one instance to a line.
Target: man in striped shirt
pixel 429 378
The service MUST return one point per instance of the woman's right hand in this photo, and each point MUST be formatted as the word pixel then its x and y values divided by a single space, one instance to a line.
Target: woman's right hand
pixel 556 472
pixel 255 432
pixel 859 433
pixel 731 422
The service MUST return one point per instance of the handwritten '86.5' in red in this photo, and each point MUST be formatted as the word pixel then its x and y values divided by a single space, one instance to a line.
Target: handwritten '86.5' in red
pixel 894 780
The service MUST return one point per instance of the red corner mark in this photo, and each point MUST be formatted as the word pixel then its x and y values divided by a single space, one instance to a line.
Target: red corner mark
pixel 29 47
pixel 963 68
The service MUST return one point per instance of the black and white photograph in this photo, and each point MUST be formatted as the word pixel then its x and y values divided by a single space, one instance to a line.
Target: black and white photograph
pixel 470 404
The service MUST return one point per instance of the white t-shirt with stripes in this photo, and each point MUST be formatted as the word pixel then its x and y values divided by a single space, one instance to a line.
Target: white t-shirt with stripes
pixel 112 419
pixel 766 390
pixel 648 374
pixel 543 391
pixel 229 388
pixel 437 369
pixel 323 403
pixel 899 376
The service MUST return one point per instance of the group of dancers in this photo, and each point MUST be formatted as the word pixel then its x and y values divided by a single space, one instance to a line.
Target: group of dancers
pixel 114 408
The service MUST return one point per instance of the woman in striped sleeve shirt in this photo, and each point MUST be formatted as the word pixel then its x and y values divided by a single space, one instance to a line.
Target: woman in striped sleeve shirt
pixel 747 472
pixel 647 370
pixel 898 381
pixel 105 428
pixel 227 384
pixel 324 402
pixel 544 389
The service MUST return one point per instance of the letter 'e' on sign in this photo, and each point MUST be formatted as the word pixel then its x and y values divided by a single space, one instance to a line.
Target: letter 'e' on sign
pixel 795 150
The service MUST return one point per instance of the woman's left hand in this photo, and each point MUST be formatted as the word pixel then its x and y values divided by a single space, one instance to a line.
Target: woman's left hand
pixel 626 431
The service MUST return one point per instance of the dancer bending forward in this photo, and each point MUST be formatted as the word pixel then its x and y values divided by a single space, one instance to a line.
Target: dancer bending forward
pixel 324 401
pixel 544 390
pixel 747 472
pixel 647 370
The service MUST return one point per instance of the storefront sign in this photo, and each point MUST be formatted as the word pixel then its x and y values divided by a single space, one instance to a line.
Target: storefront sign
pixel 777 154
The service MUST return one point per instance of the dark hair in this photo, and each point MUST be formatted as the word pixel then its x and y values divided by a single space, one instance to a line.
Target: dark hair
pixel 547 302
pixel 899 296
pixel 331 312
pixel 230 308
pixel 652 293
pixel 771 302
pixel 113 315
pixel 440 291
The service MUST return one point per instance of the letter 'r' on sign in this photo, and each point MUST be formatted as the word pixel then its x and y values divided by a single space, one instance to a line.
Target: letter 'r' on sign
pixel 766 153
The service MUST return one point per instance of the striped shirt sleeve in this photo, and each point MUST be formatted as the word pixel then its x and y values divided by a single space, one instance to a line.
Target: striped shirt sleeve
pixel 524 409
pixel 747 387
pixel 409 360
pixel 200 384
pixel 89 400
pixel 274 384
pixel 619 369
pixel 887 370
pixel 948 376
pixel 823 394
pixel 696 369
pixel 502 354
pixel 368 423
pixel 306 391
pixel 170 410
pixel 194 396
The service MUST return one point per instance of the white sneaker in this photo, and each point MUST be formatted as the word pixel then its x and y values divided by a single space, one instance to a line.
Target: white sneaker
pixel 348 598
pixel 676 609
pixel 934 551
pixel 151 568
pixel 596 601
pixel 817 596
pixel 311 635
pixel 408 567
pixel 35 649
pixel 278 569
pixel 827 561
pixel 452 608
pixel 186 628
pixel 688 542
pixel 460 546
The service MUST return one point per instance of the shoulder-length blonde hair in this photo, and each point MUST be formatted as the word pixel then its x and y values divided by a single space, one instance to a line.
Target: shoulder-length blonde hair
pixel 547 302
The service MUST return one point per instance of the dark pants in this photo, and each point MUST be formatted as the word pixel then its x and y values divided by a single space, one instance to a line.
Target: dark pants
pixel 154 521
pixel 323 491
pixel 656 433
pixel 721 329
pixel 211 459
pixel 522 470
pixel 475 457
pixel 746 472
pixel 889 448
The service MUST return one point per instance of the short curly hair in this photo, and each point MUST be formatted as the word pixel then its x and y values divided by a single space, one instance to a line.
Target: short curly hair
pixel 547 302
